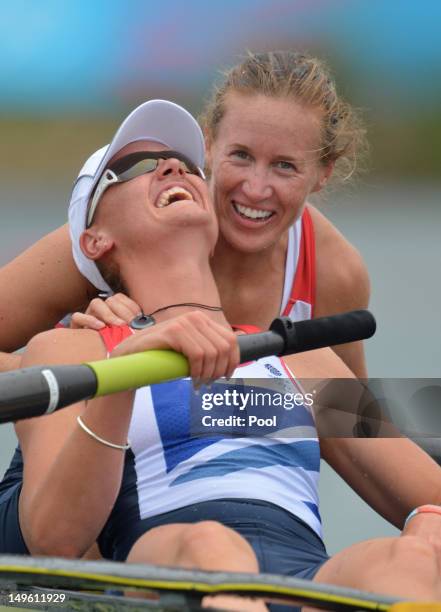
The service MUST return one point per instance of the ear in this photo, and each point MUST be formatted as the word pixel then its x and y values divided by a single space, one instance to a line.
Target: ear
pixel 95 243
pixel 325 174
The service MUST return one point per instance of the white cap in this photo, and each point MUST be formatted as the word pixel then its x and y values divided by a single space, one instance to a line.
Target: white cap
pixel 156 120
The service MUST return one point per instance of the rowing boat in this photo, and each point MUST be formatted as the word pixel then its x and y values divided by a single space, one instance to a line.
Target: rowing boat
pixel 86 584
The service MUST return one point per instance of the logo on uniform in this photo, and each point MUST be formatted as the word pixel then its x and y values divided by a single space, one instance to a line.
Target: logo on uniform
pixel 272 370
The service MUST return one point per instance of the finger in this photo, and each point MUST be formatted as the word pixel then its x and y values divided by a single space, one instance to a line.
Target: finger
pixel 121 307
pixel 227 346
pixel 204 357
pixel 102 311
pixel 79 320
pixel 191 343
pixel 219 344
pixel 127 303
pixel 233 349
pixel 217 354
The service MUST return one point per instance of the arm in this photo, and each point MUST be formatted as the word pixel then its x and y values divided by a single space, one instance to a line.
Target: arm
pixel 9 361
pixel 43 285
pixel 342 284
pixel 70 480
pixel 392 474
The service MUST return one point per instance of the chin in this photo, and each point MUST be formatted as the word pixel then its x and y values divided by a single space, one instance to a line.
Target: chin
pixel 244 243
pixel 249 239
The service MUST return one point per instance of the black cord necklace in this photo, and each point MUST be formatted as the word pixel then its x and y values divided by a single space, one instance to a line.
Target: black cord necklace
pixel 146 320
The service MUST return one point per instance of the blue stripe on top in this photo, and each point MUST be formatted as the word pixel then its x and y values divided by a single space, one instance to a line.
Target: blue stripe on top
pixel 176 425
pixel 301 454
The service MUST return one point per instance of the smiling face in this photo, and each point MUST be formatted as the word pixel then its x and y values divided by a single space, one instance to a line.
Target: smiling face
pixel 167 206
pixel 264 163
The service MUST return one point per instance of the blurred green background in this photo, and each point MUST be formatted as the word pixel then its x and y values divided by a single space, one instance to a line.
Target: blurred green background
pixel 70 71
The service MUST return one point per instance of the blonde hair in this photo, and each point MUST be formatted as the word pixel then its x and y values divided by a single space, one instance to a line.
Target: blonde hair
pixel 305 79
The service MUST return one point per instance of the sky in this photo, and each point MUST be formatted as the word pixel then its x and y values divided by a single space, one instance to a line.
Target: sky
pixel 81 55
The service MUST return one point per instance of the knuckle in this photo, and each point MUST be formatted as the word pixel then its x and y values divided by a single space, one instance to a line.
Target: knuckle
pixel 176 326
pixel 197 354
pixel 232 341
pixel 211 353
pixel 225 345
pixel 197 316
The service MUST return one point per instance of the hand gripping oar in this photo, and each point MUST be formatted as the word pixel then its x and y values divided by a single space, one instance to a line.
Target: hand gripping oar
pixel 40 390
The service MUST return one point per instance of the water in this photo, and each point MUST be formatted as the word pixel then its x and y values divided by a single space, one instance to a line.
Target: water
pixel 396 227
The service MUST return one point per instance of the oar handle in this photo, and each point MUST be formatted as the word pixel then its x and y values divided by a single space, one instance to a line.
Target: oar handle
pixel 286 337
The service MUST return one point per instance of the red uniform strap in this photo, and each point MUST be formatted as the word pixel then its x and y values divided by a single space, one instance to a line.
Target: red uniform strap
pixel 303 287
pixel 247 329
pixel 112 335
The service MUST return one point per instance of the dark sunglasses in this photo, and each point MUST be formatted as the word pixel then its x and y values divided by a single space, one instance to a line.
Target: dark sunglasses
pixel 131 166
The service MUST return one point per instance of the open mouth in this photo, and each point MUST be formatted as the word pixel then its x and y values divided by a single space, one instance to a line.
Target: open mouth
pixel 172 195
pixel 252 214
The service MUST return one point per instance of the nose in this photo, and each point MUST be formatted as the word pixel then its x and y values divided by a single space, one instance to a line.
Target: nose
pixel 171 166
pixel 256 186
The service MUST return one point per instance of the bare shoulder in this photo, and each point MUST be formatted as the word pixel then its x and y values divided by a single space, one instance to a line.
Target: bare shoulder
pixel 342 276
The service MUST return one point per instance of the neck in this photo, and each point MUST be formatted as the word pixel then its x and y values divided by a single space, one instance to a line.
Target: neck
pixel 154 285
pixel 229 263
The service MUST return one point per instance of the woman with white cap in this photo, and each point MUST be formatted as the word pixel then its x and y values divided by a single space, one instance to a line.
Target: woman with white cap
pixel 276 131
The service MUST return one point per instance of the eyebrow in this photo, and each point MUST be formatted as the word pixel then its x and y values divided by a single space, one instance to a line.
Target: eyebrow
pixel 278 156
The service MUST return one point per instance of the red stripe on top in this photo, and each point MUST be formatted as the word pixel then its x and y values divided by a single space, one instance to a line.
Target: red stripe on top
pixel 288 372
pixel 112 335
pixel 247 329
pixel 303 287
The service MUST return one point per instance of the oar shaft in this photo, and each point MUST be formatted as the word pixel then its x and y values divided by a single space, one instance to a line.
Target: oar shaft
pixel 138 370
pixel 36 391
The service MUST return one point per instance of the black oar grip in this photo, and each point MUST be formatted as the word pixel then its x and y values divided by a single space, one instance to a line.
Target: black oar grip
pixel 255 346
pixel 325 331
pixel 39 390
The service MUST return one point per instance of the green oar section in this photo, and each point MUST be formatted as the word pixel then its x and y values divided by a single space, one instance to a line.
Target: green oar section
pixel 138 370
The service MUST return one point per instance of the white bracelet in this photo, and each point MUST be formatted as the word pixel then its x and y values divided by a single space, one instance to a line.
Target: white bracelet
pixel 84 427
pixel 427 508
